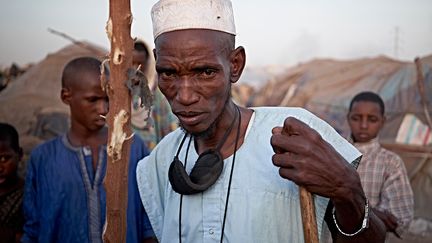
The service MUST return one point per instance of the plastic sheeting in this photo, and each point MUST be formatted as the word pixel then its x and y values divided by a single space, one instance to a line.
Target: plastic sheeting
pixel 326 88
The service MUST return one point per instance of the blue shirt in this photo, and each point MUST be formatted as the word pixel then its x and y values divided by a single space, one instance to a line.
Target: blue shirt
pixel 262 207
pixel 65 198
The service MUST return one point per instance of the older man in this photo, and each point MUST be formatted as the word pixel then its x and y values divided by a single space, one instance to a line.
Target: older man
pixel 230 174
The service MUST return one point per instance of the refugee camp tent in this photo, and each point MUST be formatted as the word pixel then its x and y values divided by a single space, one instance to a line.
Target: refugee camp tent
pixel 326 87
pixel 32 102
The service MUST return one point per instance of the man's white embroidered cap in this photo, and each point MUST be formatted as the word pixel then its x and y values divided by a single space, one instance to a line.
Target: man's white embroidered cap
pixel 171 15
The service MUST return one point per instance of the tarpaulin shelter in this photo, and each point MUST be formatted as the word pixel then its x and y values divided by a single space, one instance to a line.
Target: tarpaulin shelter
pixel 326 88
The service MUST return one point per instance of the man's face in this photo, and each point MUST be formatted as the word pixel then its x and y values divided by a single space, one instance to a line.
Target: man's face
pixel 194 75
pixel 88 102
pixel 365 121
pixel 9 159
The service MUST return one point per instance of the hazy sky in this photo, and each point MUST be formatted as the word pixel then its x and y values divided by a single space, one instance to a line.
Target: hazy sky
pixel 272 31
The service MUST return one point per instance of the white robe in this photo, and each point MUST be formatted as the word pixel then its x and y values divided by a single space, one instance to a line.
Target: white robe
pixel 263 207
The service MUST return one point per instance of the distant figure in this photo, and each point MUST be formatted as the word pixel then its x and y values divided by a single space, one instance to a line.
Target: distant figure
pixel 382 172
pixel 15 71
pixel 3 81
pixel 64 195
pixel 162 121
pixel 11 186
pixel 9 75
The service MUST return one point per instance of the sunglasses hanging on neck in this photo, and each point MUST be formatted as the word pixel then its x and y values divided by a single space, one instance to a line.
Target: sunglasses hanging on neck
pixel 230 176
pixel 205 172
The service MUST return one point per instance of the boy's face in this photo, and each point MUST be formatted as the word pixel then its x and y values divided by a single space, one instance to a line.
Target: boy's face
pixel 87 101
pixel 9 159
pixel 365 121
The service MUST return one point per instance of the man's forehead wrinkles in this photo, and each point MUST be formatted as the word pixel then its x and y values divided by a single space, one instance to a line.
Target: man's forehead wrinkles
pixel 187 61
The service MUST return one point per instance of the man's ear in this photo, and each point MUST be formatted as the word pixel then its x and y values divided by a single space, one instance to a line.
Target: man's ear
pixel 238 62
pixel 65 95
pixel 154 54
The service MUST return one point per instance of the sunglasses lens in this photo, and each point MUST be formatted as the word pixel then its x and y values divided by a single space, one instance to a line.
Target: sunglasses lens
pixel 207 168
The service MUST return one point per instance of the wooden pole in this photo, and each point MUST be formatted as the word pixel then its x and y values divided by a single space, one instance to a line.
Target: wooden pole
pixel 116 179
pixel 307 207
pixel 421 89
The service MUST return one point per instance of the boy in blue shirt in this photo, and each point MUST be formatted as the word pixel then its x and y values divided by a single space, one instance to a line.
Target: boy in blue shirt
pixel 64 194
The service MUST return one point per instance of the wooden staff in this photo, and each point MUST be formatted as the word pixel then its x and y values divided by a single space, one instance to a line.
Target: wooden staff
pixel 421 89
pixel 307 207
pixel 116 179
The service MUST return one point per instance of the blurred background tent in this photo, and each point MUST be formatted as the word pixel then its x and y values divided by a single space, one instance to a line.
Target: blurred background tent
pixel 32 103
pixel 326 87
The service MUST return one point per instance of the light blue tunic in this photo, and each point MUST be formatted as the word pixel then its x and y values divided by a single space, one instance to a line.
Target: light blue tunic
pixel 263 207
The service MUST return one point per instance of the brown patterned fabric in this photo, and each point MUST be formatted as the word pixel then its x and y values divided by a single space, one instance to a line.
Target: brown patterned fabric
pixel 11 216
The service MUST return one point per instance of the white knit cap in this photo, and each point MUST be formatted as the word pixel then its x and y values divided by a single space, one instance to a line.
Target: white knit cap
pixel 170 15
